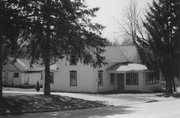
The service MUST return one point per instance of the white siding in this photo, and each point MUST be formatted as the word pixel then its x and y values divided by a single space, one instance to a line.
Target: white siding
pixel 106 79
pixel 8 75
pixel 16 80
pixel 31 78
pixel 10 78
pixel 85 80
pixel 34 78
pixel 23 76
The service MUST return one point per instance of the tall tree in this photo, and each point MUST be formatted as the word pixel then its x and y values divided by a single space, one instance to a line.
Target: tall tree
pixel 10 28
pixel 61 28
pixel 158 51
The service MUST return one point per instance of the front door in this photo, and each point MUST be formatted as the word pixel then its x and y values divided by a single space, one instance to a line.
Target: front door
pixel 120 82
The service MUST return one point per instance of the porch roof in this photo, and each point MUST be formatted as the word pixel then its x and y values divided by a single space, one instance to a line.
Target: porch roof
pixel 124 67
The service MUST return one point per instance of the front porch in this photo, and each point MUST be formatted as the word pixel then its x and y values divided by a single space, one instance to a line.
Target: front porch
pixel 133 77
pixel 127 81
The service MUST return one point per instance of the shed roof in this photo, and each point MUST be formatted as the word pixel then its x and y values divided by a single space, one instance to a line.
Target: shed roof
pixel 126 66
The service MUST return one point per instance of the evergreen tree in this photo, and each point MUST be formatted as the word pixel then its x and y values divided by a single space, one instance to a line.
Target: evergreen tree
pixel 158 51
pixel 11 25
pixel 59 29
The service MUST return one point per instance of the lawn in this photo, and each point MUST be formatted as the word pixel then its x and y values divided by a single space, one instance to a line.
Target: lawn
pixel 17 104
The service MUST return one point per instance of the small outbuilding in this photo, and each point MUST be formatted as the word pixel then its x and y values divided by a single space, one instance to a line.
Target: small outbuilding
pixel 20 73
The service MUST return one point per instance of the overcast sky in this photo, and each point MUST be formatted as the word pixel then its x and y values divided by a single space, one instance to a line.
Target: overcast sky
pixel 112 10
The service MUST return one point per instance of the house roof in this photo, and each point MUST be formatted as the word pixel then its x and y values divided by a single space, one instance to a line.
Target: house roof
pixel 121 54
pixel 126 66
pixel 24 65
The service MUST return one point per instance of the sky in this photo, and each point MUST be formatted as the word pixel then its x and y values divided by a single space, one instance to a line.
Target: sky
pixel 112 11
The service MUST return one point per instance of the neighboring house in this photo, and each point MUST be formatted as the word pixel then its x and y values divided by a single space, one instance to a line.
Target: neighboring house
pixel 20 73
pixel 122 73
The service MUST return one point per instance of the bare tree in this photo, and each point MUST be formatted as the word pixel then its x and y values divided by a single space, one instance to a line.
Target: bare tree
pixel 133 27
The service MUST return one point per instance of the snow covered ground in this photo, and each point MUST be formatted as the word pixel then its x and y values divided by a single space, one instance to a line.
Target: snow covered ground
pixel 151 106
pixel 167 107
pixel 164 109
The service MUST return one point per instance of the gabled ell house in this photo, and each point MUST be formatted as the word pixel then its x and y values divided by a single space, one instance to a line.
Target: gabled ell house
pixel 123 72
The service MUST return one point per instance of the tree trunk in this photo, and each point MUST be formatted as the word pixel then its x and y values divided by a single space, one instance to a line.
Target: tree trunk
pixel 170 86
pixel 47 52
pixel 170 83
pixel 174 85
pixel 47 79
pixel 167 83
pixel 1 62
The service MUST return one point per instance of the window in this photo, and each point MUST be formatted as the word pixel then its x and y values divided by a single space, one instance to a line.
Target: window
pixel 16 75
pixel 152 78
pixel 132 79
pixel 100 77
pixel 51 74
pixel 73 60
pixel 73 78
pixel 112 79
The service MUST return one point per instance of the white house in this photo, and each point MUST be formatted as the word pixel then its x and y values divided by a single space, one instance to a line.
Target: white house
pixel 21 74
pixel 122 73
